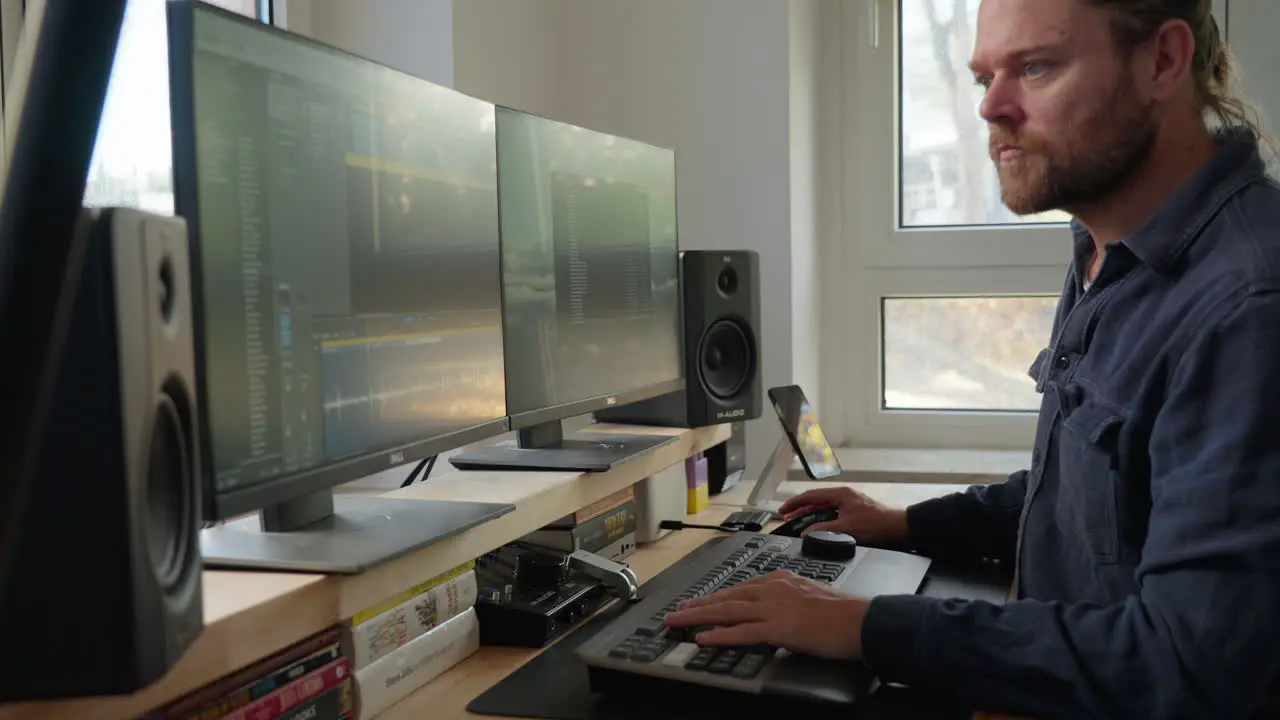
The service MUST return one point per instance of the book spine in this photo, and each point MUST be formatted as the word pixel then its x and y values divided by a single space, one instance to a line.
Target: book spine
pixel 593 535
pixel 336 703
pixel 220 697
pixel 595 509
pixel 371 612
pixel 295 693
pixel 378 637
pixel 421 660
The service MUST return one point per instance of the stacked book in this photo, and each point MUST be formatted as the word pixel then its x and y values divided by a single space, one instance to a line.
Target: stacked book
pixel 355 670
pixel 606 528
pixel 404 642
pixel 311 679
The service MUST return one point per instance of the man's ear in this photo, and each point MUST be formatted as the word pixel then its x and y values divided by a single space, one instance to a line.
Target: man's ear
pixel 1170 58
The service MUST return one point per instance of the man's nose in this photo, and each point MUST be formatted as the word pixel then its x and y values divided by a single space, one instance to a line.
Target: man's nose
pixel 1001 102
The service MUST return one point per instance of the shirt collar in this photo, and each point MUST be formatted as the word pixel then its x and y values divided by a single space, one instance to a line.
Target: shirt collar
pixel 1162 241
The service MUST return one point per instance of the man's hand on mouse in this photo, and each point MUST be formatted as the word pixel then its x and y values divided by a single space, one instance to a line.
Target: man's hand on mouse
pixel 780 609
pixel 860 516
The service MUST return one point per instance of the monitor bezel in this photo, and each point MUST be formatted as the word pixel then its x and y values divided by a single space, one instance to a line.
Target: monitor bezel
pixel 564 411
pixel 222 505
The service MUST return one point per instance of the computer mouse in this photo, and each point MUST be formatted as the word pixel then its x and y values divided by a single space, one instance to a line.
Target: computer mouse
pixel 795 527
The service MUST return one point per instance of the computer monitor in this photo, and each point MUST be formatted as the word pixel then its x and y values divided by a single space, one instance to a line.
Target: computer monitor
pixel 591 296
pixel 344 225
pixel 52 100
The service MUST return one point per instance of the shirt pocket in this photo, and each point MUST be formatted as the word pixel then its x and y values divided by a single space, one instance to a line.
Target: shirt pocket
pixel 1089 452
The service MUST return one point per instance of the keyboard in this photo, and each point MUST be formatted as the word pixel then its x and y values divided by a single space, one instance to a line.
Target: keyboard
pixel 637 653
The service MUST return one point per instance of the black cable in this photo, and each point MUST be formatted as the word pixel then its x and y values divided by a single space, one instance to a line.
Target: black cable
pixel 679 525
pixel 424 467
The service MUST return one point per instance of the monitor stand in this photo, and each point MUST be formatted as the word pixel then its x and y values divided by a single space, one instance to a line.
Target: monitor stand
pixel 544 447
pixel 764 493
pixel 343 535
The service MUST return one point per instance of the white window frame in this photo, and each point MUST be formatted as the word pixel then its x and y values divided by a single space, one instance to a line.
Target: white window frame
pixel 880 260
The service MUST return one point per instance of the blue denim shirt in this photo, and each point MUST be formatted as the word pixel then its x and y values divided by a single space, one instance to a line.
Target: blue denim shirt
pixel 1146 533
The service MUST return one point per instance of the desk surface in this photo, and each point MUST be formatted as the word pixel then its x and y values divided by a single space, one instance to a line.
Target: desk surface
pixel 249 615
pixel 446 697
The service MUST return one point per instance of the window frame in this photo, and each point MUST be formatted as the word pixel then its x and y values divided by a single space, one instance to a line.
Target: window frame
pixel 880 259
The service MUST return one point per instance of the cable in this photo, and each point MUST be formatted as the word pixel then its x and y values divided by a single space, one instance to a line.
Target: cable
pixel 424 467
pixel 679 525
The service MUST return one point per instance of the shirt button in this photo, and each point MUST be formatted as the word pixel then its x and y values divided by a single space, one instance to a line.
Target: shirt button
pixel 1063 361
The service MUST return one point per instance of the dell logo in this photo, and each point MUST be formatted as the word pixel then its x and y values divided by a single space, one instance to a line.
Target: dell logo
pixel 397 458
pixel 727 414
pixel 611 401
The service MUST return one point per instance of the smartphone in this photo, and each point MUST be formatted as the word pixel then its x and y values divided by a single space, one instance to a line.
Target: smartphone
pixel 800 425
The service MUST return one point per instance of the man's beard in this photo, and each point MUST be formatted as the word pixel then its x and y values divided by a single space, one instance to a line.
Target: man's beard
pixel 1100 156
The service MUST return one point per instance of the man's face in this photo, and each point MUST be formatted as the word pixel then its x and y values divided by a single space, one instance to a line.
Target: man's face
pixel 1067 128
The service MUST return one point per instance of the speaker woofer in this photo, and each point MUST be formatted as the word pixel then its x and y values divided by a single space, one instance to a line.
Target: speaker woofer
pixel 725 359
pixel 169 492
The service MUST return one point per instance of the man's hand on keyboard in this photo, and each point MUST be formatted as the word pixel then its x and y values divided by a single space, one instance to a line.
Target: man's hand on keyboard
pixel 779 609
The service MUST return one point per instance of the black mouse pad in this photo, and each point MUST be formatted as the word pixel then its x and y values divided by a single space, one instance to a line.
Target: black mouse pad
pixel 553 685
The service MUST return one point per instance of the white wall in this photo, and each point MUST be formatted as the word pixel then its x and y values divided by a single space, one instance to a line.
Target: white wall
pixel 504 52
pixel 728 84
pixel 806 106
pixel 1251 27
pixel 734 86
pixel 415 36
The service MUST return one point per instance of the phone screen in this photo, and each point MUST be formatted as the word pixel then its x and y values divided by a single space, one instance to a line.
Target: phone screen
pixel 800 423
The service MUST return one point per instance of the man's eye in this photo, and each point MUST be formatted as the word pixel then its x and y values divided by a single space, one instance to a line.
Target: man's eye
pixel 1034 68
pixel 983 81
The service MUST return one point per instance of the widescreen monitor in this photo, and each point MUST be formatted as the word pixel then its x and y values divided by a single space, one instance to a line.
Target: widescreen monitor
pixel 590 288
pixel 345 237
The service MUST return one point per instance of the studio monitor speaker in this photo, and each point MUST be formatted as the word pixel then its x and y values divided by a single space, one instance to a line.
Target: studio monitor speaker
pixel 720 301
pixel 104 591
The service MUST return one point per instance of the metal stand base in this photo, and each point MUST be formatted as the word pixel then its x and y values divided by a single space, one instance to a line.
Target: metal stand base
pixel 764 493
pixel 362 532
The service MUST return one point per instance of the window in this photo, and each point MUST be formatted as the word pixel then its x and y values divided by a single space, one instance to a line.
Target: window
pixel 132 162
pixel 962 353
pixel 946 176
pixel 945 296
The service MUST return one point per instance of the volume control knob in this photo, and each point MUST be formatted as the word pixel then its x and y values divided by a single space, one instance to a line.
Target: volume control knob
pixel 829 545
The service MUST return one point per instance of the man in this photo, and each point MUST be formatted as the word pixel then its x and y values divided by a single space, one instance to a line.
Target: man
pixel 1146 533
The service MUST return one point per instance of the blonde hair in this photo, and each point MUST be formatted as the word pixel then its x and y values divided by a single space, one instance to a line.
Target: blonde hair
pixel 1213 67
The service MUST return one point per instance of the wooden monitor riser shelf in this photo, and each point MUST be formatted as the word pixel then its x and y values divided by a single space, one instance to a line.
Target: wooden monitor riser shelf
pixel 249 615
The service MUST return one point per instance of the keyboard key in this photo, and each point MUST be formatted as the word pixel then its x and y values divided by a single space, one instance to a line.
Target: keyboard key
pixel 622 652
pixel 701 659
pixel 731 655
pixel 749 666
pixel 650 628
pixel 720 666
pixel 644 655
pixel 681 655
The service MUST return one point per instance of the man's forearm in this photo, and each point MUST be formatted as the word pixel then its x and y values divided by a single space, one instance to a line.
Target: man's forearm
pixel 980 522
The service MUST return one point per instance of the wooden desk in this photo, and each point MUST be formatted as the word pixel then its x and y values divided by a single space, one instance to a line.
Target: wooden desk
pixel 249 615
pixel 446 697
pixel 893 494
